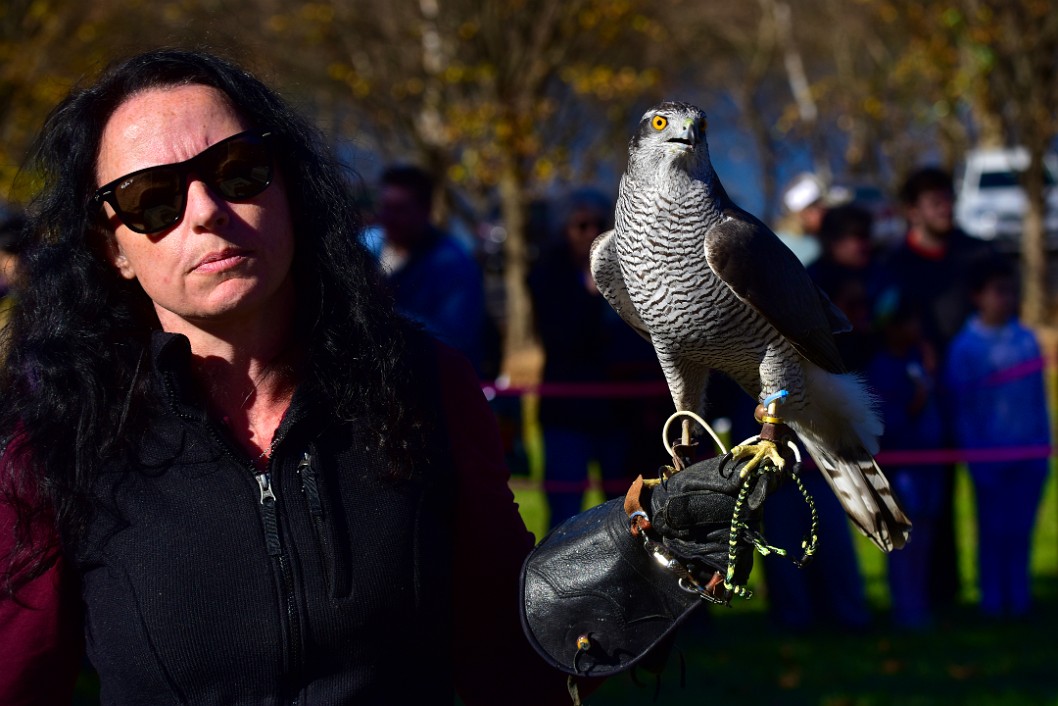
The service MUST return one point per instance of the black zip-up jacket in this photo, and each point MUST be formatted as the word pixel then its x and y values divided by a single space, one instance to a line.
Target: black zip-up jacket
pixel 322 581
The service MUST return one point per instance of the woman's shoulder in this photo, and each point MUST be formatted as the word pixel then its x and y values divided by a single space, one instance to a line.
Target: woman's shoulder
pixel 458 380
pixel 445 383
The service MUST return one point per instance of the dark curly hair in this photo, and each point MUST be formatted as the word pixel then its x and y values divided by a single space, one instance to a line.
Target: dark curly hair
pixel 74 387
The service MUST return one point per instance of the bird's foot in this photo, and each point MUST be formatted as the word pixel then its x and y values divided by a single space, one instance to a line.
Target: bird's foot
pixel 764 447
pixel 757 452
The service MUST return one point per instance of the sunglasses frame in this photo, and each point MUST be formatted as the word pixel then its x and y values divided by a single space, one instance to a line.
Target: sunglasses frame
pixel 107 193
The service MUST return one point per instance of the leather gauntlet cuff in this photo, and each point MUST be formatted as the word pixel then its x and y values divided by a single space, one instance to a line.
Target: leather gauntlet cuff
pixel 594 603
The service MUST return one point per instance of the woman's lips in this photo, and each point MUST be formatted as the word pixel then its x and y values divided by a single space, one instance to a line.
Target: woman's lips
pixel 221 260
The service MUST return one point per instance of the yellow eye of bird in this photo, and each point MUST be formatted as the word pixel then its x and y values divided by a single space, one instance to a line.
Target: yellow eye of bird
pixel 659 122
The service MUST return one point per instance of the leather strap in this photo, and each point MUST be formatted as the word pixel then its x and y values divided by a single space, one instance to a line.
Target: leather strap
pixel 638 519
pixel 639 524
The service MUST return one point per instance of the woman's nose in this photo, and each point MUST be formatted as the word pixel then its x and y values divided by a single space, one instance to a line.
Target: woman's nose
pixel 205 210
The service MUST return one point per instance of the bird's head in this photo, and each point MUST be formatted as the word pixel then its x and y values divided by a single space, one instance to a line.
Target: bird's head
pixel 671 134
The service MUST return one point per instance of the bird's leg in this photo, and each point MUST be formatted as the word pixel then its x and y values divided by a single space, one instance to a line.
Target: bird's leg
pixel 764 446
pixel 683 452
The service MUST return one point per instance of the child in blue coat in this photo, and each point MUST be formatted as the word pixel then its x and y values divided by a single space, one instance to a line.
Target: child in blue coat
pixel 995 376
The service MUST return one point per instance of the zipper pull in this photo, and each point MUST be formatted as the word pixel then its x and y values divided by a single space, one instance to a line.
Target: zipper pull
pixel 265 481
pixel 310 485
pixel 269 516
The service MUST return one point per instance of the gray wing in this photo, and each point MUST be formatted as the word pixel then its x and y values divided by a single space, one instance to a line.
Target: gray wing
pixel 765 274
pixel 606 271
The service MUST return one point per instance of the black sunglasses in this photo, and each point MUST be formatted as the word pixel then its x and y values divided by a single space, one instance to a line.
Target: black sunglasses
pixel 153 199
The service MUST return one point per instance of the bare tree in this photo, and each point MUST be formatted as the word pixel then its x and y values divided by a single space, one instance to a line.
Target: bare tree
pixel 476 91
pixel 506 99
pixel 1015 49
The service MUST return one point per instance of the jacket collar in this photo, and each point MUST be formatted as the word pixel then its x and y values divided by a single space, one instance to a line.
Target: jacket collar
pixel 171 365
pixel 173 378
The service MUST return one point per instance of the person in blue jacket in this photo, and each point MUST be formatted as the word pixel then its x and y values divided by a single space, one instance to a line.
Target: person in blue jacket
pixel 434 278
pixel 998 403
pixel 909 403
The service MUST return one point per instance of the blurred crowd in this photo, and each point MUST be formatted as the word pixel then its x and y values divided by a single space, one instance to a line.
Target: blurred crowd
pixel 935 332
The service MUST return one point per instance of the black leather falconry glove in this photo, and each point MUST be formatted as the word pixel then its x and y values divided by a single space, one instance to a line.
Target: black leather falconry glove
pixel 692 513
pixel 607 585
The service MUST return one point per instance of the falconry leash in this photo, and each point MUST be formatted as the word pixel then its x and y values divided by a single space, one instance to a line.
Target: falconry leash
pixel 720 588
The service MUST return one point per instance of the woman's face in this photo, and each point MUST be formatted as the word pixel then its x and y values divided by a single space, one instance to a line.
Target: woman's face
pixel 223 262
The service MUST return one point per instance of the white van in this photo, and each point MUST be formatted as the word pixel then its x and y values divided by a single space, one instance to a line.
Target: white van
pixel 990 202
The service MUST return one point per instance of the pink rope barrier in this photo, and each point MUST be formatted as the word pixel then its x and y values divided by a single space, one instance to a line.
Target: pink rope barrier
pixel 658 388
pixel 591 390
pixel 1015 372
pixel 920 457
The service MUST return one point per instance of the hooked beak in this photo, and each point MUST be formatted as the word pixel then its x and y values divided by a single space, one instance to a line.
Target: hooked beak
pixel 689 136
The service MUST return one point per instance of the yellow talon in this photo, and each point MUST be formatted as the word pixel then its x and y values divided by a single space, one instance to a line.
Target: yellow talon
pixel 757 452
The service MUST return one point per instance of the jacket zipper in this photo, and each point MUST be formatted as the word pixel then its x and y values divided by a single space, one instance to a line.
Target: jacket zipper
pixel 273 543
pixel 268 515
pixel 310 486
pixel 270 519
pixel 324 540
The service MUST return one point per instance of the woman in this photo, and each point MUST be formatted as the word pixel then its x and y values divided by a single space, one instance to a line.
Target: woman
pixel 230 465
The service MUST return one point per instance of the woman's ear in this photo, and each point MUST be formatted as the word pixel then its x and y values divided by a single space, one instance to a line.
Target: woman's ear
pixel 117 257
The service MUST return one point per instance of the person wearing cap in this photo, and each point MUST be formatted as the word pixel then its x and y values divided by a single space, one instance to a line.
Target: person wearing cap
pixel 804 202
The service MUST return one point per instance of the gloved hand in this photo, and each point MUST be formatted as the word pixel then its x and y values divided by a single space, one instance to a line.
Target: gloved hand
pixel 595 600
pixel 691 511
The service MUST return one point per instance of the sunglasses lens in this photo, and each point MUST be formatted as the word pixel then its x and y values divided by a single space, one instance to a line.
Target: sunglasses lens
pixel 153 199
pixel 150 201
pixel 242 169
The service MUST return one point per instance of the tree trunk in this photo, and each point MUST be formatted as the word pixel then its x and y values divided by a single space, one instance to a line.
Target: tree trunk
pixel 801 87
pixel 518 334
pixel 1033 245
pixel 761 133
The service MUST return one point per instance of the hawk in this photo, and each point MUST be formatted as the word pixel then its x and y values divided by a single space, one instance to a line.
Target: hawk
pixel 711 287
